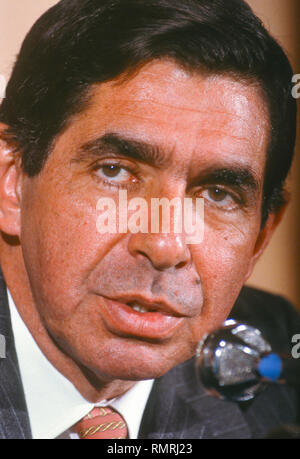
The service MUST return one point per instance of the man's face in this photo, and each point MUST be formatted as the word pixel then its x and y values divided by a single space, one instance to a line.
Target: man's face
pixel 162 133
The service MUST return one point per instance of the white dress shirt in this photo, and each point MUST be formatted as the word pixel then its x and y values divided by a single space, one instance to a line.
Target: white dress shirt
pixel 54 404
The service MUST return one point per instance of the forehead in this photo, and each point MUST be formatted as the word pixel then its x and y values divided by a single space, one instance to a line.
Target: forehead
pixel 179 111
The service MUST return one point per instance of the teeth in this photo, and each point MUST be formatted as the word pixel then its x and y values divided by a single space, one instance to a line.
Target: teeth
pixel 138 308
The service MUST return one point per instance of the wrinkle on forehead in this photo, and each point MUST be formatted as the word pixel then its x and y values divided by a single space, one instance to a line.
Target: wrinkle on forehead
pixel 171 82
pixel 164 86
pixel 164 104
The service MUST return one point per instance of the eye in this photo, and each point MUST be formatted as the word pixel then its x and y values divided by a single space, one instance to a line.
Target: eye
pixel 111 171
pixel 217 194
pixel 115 174
pixel 221 198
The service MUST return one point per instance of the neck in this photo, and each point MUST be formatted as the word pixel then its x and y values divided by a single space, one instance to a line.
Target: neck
pixel 89 385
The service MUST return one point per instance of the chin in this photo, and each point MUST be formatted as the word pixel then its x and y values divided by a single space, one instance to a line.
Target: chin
pixel 135 368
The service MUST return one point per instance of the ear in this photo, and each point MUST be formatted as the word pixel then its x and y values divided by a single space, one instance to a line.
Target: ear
pixel 265 235
pixel 10 187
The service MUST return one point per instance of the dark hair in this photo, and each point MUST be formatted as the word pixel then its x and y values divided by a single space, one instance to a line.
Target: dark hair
pixel 80 42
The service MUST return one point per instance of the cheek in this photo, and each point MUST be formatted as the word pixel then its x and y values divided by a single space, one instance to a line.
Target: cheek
pixel 227 250
pixel 61 247
pixel 223 265
pixel 222 261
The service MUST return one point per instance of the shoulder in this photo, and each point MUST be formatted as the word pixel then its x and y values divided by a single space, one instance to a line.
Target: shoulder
pixel 278 320
pixel 187 410
pixel 276 317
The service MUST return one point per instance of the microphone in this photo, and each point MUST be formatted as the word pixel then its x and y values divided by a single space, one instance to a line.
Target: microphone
pixel 236 363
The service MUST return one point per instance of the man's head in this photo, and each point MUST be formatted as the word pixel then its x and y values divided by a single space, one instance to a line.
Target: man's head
pixel 162 99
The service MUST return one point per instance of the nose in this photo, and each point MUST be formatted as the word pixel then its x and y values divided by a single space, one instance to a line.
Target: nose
pixel 163 250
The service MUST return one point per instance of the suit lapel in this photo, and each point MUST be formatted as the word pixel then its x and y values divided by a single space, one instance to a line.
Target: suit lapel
pixel 180 408
pixel 14 421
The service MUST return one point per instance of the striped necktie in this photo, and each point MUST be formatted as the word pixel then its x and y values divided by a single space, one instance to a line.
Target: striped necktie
pixel 102 423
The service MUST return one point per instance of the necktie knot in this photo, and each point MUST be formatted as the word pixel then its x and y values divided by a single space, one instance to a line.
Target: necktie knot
pixel 102 423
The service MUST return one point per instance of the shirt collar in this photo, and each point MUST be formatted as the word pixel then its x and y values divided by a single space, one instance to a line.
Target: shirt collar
pixel 53 403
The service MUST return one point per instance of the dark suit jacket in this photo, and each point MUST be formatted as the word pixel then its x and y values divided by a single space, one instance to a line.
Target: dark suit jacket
pixel 178 407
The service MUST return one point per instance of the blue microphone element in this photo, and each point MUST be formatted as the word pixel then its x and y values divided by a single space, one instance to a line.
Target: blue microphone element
pixel 236 363
pixel 270 367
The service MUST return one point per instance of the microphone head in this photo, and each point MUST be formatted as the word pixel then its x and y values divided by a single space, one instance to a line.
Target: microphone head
pixel 227 361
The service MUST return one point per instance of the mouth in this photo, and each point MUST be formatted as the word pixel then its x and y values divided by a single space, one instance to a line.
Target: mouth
pixel 143 305
pixel 141 318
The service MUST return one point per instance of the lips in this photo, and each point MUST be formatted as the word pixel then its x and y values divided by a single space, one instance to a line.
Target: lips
pixel 138 317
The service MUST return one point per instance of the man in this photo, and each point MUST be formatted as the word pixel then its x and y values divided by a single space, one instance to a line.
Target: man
pixel 161 99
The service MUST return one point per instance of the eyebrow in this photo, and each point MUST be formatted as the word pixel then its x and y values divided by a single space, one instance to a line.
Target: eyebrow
pixel 129 148
pixel 234 175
